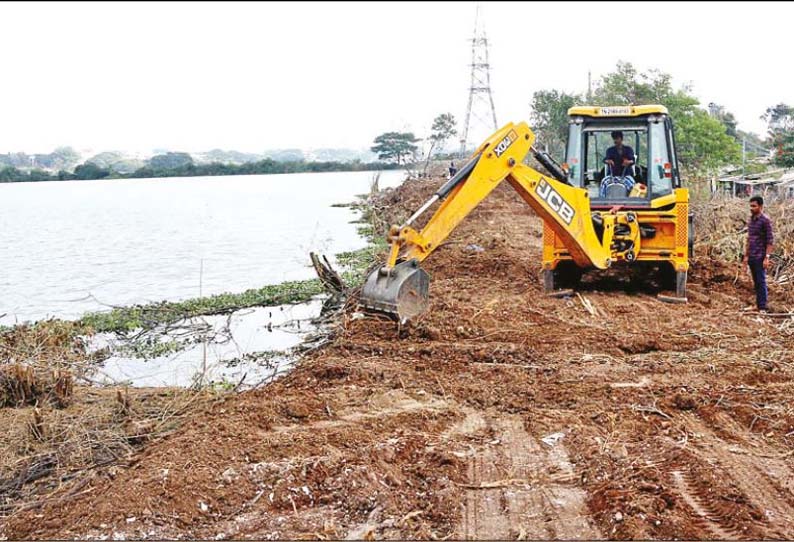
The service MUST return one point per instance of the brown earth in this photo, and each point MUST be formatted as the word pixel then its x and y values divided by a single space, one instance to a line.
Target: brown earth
pixel 501 413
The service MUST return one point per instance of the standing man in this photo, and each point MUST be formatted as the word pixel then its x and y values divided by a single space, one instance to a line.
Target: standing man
pixel 759 247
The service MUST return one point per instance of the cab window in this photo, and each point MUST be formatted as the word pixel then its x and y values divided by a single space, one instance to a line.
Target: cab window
pixel 596 142
pixel 660 171
pixel 573 154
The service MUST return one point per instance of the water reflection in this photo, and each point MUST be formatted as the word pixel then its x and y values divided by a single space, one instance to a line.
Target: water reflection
pixel 244 348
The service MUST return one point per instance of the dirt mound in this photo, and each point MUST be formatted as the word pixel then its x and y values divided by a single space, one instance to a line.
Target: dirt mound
pixel 499 413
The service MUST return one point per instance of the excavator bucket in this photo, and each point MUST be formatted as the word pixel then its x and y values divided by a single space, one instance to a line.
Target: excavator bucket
pixel 401 290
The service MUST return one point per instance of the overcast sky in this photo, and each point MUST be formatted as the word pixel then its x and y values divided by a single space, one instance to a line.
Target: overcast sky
pixel 247 76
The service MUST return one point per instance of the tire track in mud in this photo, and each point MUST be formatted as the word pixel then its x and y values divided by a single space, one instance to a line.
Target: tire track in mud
pixel 771 474
pixel 767 483
pixel 713 519
pixel 385 405
pixel 764 492
pixel 518 488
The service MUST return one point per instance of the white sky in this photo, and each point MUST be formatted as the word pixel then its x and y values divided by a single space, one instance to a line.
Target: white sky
pixel 253 76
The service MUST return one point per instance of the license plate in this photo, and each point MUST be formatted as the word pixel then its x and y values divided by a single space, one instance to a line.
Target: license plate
pixel 615 111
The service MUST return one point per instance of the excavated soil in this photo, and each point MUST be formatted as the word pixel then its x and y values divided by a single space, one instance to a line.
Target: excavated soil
pixel 501 413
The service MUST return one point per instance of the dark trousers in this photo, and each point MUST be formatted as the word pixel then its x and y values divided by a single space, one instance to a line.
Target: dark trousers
pixel 759 281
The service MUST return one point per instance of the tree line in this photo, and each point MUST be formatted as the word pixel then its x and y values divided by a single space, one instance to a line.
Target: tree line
pixel 702 139
pixel 176 166
pixel 706 138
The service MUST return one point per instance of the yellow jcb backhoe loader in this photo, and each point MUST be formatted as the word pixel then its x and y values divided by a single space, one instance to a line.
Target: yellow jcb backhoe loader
pixel 593 217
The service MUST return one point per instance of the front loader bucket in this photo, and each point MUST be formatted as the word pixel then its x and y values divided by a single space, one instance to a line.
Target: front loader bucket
pixel 401 290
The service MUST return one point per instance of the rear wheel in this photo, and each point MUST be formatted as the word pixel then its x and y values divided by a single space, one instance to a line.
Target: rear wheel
pixel 567 275
pixel 640 273
pixel 667 276
pixel 670 279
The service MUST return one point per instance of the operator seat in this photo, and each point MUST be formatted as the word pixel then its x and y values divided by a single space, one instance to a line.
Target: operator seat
pixel 616 191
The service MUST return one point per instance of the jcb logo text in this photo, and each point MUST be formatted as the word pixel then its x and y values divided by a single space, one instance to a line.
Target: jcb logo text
pixel 555 201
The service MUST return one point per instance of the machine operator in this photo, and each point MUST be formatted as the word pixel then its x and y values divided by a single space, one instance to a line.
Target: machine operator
pixel 619 156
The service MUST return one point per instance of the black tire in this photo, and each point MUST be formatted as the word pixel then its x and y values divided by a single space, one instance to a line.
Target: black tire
pixel 691 236
pixel 667 276
pixel 640 273
pixel 567 275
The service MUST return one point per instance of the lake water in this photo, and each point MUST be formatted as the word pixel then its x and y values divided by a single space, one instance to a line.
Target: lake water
pixel 248 347
pixel 69 247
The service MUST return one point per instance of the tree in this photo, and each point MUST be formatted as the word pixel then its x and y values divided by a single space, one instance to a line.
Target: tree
pixel 780 121
pixel 784 149
pixel 170 160
pixel 38 175
pixel 627 86
pixel 10 174
pixel 725 117
pixel 702 142
pixel 90 171
pixel 549 118
pixel 395 146
pixel 779 118
pixel 442 129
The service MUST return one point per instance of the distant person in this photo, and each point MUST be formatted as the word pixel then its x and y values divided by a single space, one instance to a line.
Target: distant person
pixel 620 156
pixel 759 247
pixel 452 169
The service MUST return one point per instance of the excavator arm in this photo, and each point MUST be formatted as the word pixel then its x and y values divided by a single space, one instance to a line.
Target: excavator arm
pixel 400 287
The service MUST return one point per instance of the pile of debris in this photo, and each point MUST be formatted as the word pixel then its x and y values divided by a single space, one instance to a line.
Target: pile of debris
pixel 721 233
pixel 57 432
pixel 23 385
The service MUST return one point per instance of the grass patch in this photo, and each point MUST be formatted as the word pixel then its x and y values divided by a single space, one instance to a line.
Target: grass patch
pixel 126 319
pixel 150 348
pixel 358 262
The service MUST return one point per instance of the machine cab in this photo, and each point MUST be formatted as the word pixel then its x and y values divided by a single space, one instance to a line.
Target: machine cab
pixel 646 129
